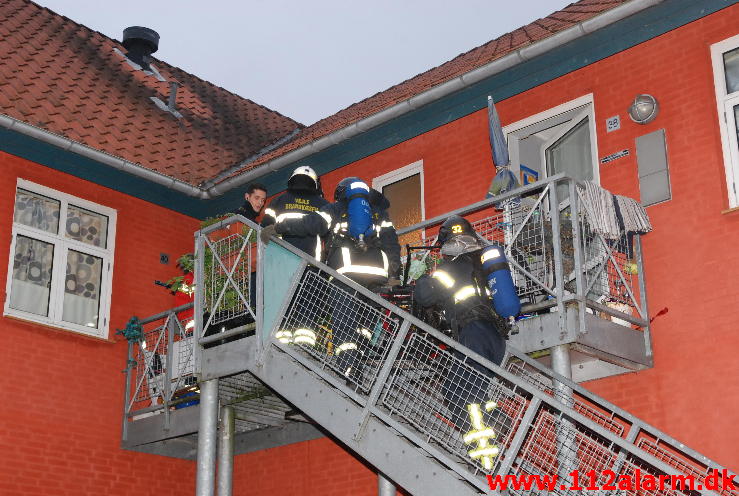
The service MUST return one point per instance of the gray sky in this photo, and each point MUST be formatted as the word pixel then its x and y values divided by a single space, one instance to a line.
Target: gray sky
pixel 308 59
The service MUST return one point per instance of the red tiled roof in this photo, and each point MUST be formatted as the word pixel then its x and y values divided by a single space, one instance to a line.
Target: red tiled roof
pixel 495 49
pixel 68 79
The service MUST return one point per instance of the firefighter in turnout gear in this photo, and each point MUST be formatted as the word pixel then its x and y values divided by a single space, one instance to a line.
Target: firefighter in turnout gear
pixel 301 198
pixel 458 287
pixel 364 247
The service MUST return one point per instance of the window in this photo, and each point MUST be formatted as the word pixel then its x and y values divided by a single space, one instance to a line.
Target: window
pixel 561 139
pixel 61 259
pixel 404 189
pixel 725 58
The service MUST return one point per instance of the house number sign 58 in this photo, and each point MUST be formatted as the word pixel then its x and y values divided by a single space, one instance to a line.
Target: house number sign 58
pixel 613 123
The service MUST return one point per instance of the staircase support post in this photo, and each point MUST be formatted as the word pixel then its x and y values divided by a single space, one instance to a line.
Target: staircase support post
pixel 207 433
pixel 226 451
pixel 384 486
pixel 565 431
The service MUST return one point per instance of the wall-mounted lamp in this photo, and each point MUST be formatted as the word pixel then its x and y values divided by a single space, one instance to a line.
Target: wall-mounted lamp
pixel 643 109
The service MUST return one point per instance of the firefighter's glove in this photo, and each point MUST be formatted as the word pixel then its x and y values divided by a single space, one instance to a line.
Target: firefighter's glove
pixel 267 233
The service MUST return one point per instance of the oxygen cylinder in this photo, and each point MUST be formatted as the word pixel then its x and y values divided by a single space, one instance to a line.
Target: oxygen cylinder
pixel 359 210
pixel 500 281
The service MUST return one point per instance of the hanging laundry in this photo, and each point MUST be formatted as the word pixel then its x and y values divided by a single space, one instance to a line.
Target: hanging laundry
pixel 598 203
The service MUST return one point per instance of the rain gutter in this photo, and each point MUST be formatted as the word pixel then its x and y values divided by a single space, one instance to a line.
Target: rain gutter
pixel 458 83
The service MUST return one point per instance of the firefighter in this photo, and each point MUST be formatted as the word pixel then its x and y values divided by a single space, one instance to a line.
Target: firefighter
pixel 458 287
pixel 364 247
pixel 302 197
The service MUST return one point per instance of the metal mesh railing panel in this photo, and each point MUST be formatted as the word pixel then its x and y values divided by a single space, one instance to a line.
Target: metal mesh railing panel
pixel 342 330
pixel 580 404
pixel 556 446
pixel 151 367
pixel 529 247
pixel 430 389
pixel 228 261
pixel 681 463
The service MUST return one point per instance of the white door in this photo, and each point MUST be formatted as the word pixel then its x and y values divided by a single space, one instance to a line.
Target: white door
pixel 570 150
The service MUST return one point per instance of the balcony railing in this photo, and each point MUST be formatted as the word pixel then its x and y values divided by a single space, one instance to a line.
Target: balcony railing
pixel 561 258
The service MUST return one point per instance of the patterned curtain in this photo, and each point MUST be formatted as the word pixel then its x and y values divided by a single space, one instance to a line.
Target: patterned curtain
pixel 37 211
pixel 33 261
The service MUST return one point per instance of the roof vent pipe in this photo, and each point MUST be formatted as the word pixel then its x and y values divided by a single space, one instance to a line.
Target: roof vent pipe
pixel 140 42
pixel 172 102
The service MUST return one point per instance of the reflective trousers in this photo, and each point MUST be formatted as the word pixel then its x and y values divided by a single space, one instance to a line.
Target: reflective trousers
pixel 469 382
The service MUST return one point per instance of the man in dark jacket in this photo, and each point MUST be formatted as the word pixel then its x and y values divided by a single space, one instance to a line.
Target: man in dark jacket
pixel 458 287
pixel 254 199
pixel 302 197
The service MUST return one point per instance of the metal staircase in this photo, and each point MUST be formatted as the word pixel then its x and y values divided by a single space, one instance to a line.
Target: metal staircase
pixel 403 404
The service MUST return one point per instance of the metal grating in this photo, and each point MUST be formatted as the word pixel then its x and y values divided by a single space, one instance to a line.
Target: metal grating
pixel 255 406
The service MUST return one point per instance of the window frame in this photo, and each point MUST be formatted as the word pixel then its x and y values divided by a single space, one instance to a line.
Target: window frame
pixel 399 174
pixel 583 101
pixel 62 245
pixel 724 100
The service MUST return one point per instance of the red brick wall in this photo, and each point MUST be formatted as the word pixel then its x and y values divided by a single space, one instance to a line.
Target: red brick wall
pixel 60 415
pixel 691 257
pixel 303 469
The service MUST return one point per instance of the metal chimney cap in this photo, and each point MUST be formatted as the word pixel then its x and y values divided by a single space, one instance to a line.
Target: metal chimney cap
pixel 138 34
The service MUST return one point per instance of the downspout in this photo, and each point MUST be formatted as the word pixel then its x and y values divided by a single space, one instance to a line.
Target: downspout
pixel 460 82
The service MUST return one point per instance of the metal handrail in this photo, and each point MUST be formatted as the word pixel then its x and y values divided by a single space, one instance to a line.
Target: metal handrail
pixel 538 397
pixel 147 374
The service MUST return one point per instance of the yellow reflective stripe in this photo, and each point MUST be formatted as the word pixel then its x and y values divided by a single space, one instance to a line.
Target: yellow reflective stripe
pixel 284 336
pixel 304 332
pixel 481 434
pixel 477 435
pixel 359 184
pixel 345 347
pixel 318 247
pixel 365 332
pixel 309 337
pixel 491 253
pixel 341 225
pixel 304 340
pixel 363 269
pixel 464 293
pixel 485 453
pixel 346 257
pixel 289 215
pixel 270 212
pixel 443 278
pixel 386 223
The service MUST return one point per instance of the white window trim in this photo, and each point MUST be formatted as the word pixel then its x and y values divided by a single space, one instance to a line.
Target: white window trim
pixel 561 109
pixel 728 139
pixel 59 267
pixel 398 175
